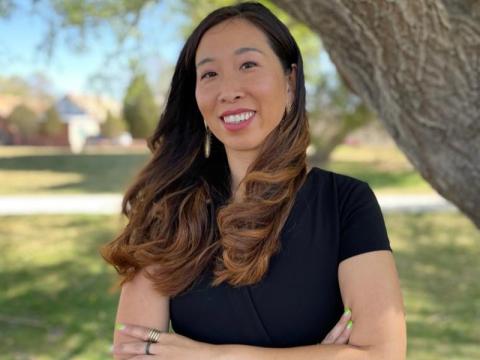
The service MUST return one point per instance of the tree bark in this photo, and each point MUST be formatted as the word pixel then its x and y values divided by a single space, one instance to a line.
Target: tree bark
pixel 416 63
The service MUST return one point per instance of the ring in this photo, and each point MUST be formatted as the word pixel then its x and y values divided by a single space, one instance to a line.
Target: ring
pixel 153 335
pixel 147 348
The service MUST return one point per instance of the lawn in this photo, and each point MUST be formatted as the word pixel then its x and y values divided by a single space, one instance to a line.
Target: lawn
pixel 385 168
pixel 29 170
pixel 55 303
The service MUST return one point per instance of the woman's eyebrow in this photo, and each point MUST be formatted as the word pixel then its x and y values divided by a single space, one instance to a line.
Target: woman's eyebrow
pixel 236 52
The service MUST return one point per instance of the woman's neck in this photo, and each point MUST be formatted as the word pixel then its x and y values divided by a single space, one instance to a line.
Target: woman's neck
pixel 238 162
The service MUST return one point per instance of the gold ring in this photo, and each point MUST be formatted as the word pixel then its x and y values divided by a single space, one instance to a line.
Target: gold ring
pixel 153 335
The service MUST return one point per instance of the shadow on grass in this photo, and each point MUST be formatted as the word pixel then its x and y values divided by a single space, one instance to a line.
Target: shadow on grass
pixel 100 172
pixel 63 310
pixel 377 177
pixel 439 271
pixel 62 322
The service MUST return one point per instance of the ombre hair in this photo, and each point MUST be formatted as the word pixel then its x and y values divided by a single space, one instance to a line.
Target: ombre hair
pixel 182 216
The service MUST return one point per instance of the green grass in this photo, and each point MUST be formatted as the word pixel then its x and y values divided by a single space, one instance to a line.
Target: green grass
pixel 386 169
pixel 45 171
pixel 55 303
pixel 30 170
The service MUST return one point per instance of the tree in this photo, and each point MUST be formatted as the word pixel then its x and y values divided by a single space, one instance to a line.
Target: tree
pixel 139 109
pixel 36 86
pixel 6 8
pixel 415 63
pixel 52 124
pixel 335 113
pixel 113 126
pixel 24 119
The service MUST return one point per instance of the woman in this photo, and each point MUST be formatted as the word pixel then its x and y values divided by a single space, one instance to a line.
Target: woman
pixel 249 255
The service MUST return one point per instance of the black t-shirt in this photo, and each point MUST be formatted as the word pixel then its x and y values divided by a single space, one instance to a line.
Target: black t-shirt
pixel 334 217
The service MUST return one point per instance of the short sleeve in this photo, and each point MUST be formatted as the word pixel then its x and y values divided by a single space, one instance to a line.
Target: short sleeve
pixel 362 226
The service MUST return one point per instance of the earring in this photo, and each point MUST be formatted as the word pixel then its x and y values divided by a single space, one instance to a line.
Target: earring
pixel 208 139
pixel 289 103
pixel 288 107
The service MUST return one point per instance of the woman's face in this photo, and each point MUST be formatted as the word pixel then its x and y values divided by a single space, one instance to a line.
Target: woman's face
pixel 238 71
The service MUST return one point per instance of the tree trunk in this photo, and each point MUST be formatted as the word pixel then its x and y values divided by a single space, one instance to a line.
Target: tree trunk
pixel 417 64
pixel 333 128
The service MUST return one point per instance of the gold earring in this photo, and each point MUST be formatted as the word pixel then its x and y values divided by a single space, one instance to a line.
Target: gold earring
pixel 208 139
pixel 288 108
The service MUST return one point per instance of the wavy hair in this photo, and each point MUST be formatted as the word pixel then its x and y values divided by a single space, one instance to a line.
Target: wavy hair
pixel 182 216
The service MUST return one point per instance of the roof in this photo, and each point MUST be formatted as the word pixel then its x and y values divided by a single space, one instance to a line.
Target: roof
pixel 96 106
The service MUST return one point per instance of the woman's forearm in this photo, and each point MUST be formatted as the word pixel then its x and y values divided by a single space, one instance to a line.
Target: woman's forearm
pixel 310 352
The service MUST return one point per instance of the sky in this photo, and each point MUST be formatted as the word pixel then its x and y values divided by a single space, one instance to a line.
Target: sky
pixel 72 71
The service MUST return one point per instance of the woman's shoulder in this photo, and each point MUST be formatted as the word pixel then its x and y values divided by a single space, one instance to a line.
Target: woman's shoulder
pixel 340 190
pixel 323 179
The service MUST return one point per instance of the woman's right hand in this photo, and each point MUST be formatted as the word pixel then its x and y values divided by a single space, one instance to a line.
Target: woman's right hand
pixel 340 334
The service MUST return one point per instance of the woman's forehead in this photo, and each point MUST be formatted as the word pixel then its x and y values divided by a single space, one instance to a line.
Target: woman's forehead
pixel 228 37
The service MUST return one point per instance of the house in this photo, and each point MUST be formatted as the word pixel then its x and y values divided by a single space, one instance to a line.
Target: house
pixel 84 114
pixel 81 114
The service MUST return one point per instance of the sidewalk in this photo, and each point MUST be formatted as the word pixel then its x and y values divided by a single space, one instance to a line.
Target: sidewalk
pixel 110 204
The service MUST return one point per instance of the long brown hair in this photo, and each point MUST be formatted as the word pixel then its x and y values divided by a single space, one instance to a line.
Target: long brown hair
pixel 182 219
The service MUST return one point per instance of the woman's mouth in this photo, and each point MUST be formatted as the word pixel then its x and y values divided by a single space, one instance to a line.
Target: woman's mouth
pixel 238 121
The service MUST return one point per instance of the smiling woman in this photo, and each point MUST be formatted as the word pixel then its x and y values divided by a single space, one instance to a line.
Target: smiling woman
pixel 248 254
pixel 251 76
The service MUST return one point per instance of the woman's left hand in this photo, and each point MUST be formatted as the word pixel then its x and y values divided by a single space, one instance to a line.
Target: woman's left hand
pixel 169 346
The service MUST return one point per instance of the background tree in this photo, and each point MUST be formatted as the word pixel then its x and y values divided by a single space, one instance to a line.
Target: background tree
pixel 416 64
pixel 139 108
pixel 113 126
pixel 6 7
pixel 334 114
pixel 24 119
pixel 52 124
pixel 36 86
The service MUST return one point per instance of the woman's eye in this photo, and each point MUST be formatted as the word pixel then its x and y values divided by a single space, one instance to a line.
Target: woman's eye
pixel 207 73
pixel 250 62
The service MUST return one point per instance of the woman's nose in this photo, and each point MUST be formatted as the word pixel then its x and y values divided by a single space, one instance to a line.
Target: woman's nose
pixel 230 90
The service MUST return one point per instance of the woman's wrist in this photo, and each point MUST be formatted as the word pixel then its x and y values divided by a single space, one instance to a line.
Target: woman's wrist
pixel 226 352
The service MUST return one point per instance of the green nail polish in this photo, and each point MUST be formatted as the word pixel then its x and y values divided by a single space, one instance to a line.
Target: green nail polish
pixel 349 324
pixel 347 311
pixel 119 326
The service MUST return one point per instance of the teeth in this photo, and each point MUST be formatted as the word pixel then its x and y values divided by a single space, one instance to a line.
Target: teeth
pixel 235 119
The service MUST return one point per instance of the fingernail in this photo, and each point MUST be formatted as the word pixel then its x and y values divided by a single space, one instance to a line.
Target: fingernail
pixel 119 326
pixel 349 324
pixel 347 311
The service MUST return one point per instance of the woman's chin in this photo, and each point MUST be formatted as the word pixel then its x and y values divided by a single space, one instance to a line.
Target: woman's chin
pixel 242 147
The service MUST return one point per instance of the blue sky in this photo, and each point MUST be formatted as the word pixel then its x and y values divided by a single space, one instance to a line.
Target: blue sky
pixel 69 70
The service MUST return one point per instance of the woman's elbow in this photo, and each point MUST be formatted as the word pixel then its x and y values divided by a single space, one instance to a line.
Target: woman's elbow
pixel 395 350
pixel 391 355
pixel 388 348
